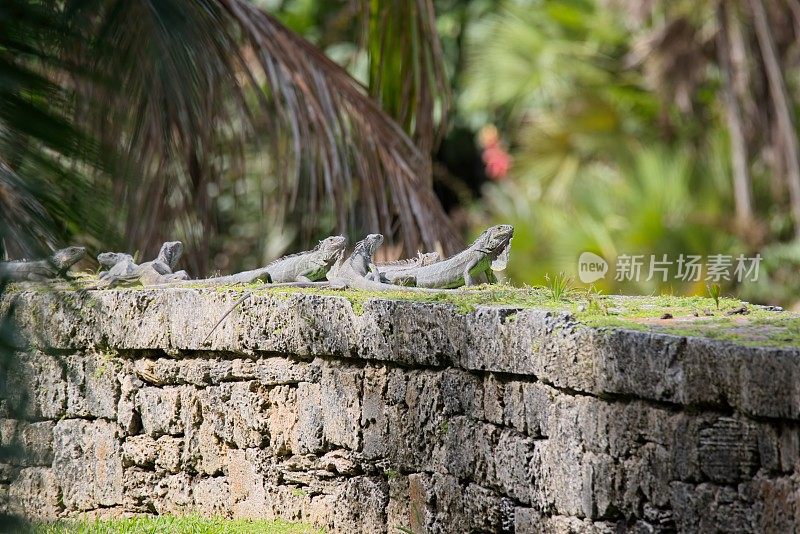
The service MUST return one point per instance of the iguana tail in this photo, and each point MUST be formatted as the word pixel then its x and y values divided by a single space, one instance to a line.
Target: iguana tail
pixel 244 297
pixel 266 286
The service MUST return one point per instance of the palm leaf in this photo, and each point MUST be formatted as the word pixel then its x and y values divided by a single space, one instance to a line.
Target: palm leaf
pixel 181 88
pixel 401 38
pixel 349 145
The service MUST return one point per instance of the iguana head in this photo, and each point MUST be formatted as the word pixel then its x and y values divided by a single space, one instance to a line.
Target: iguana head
pixel 362 256
pixel 331 248
pixel 495 242
pixel 110 259
pixel 369 245
pixel 67 257
pixel 170 253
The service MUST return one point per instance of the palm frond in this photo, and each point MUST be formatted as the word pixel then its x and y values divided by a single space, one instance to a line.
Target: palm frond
pixel 181 89
pixel 43 189
pixel 348 147
pixel 401 37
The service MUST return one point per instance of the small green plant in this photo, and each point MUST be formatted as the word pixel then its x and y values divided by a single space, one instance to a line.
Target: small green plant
pixel 558 286
pixel 391 474
pixel 714 291
pixel 595 302
pixel 405 530
pixel 297 492
pixel 444 426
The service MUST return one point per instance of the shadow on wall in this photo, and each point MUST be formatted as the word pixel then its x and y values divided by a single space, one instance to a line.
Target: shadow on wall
pixel 10 450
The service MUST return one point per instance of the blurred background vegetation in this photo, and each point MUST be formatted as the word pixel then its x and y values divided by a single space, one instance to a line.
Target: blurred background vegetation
pixel 610 126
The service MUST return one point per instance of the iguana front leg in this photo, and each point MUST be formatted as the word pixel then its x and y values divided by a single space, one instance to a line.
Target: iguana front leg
pixel 468 279
pixel 373 273
pixel 490 276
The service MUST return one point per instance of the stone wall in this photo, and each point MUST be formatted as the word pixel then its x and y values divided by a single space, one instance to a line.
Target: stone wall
pixel 392 414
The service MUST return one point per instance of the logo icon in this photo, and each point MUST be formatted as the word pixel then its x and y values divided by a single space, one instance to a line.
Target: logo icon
pixel 591 267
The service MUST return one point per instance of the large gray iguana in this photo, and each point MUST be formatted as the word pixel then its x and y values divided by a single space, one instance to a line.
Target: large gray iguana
pixel 55 266
pixel 117 264
pixel 309 266
pixel 122 269
pixel 301 269
pixel 422 258
pixel 399 266
pixel 359 270
pixel 487 254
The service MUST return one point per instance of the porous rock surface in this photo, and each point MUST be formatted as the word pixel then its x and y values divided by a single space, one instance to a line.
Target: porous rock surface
pixel 405 414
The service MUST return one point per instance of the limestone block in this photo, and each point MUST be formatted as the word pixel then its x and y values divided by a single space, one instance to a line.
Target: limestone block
pixel 308 432
pixel 92 387
pixel 248 496
pixel 282 419
pixel 780 502
pixel 128 416
pixel 35 494
pixel 168 454
pixel 398 507
pixel 359 506
pixel 512 472
pixel 212 496
pixel 238 411
pixel 493 397
pixel 341 405
pixel 139 490
pixel 34 386
pixel 708 507
pixel 160 410
pixel 174 495
pixel 728 450
pixel 139 451
pixel 410 333
pixel 203 451
pixel 27 444
pixel 514 409
pixel 374 421
pixel 88 463
pixel 537 399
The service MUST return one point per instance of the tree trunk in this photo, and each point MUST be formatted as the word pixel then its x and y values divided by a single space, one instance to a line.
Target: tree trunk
pixel 739 161
pixel 783 110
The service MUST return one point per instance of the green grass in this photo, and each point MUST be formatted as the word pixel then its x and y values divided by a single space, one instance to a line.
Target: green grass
pixel 174 525
pixel 558 286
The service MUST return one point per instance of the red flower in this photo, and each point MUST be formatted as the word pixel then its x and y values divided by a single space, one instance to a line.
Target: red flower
pixel 496 160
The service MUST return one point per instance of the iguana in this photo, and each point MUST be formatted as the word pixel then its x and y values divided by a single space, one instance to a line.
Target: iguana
pixel 148 273
pixel 351 272
pixel 309 266
pixel 488 253
pixel 359 266
pixel 422 259
pixel 54 266
pixel 359 271
pixel 116 263
pixel 301 269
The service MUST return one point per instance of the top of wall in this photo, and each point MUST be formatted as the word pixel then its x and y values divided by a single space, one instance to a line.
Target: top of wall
pixel 546 345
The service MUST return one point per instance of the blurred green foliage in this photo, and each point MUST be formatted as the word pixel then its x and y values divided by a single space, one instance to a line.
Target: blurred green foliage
pixel 619 143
